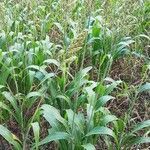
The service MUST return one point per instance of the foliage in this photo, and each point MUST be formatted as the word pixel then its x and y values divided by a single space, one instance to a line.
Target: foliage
pixel 56 59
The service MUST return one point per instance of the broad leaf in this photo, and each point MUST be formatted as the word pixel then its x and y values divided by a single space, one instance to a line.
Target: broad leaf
pixel 103 100
pixel 36 131
pixel 89 146
pixel 108 118
pixel 54 137
pixel 138 140
pixel 145 87
pixel 101 131
pixel 141 125
pixel 5 133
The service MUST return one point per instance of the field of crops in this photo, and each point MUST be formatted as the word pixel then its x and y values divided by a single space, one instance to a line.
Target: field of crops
pixel 74 75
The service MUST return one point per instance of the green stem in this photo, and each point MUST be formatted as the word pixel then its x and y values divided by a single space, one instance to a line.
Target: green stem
pixel 25 136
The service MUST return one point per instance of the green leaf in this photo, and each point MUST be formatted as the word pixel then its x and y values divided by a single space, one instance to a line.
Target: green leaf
pixel 52 61
pixel 108 118
pixel 101 131
pixel 59 27
pixel 89 146
pixel 145 87
pixel 38 68
pixel 141 125
pixel 54 137
pixel 12 100
pixel 6 107
pixel 52 115
pixel 144 36
pixel 78 120
pixel 47 76
pixel 33 94
pixel 119 126
pixel 1 86
pixel 5 71
pixel 103 100
pixel 5 133
pixel 64 97
pixel 36 131
pixel 112 86
pixel 138 140
pixel 85 71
